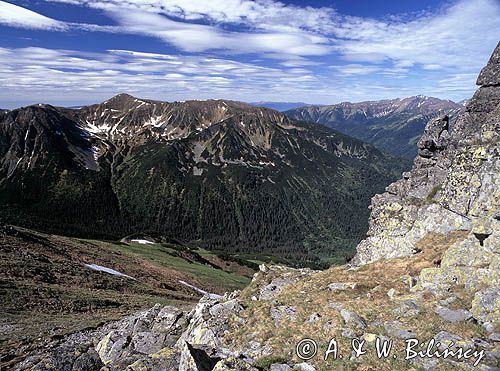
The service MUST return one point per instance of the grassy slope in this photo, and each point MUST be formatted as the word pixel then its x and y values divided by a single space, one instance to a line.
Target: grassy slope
pixel 369 299
pixel 47 291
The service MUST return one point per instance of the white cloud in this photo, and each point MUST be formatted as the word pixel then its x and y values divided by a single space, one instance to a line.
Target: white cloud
pixel 459 36
pixel 16 16
pixel 262 14
pixel 51 75
pixel 433 54
pixel 356 69
pixel 193 37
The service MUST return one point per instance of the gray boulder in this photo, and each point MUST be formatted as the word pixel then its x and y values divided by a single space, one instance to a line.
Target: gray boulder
pixel 352 319
pixel 453 315
pixel 396 329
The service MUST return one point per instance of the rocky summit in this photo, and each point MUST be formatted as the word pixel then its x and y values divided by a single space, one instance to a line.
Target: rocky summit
pixel 426 278
pixel 220 174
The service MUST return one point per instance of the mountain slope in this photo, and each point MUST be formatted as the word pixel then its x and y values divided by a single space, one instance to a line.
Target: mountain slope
pixel 393 125
pixel 223 174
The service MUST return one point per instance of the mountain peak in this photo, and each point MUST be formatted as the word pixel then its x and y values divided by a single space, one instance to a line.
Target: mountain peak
pixel 122 96
pixel 490 74
pixel 122 99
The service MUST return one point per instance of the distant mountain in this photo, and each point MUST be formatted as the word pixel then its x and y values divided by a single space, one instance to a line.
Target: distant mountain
pixel 221 174
pixel 279 106
pixel 394 125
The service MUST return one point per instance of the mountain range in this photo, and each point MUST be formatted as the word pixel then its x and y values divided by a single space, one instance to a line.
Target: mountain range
pixel 220 174
pixel 393 125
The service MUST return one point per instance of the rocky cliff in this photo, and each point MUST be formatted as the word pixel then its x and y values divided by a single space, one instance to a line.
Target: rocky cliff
pixel 454 184
pixel 429 270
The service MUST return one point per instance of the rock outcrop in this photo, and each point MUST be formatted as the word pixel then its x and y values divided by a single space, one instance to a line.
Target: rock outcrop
pixel 454 185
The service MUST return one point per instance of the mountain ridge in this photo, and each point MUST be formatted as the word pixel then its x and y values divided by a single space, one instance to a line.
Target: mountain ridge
pixel 100 169
pixel 393 125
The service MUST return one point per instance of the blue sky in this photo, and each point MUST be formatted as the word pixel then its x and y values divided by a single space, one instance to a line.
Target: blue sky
pixel 72 52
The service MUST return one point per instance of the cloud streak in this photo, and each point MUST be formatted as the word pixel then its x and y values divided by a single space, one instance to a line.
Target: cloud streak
pixel 462 35
pixel 199 38
pixel 16 16
pixel 296 52
pixel 47 74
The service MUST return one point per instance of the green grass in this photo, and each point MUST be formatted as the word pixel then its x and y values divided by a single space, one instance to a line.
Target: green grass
pixel 166 257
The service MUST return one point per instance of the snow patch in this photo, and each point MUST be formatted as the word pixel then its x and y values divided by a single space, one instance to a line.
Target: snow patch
pixel 211 296
pixel 100 268
pixel 142 242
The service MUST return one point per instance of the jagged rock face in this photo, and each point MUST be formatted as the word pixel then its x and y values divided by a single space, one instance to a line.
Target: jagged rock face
pixel 393 125
pixel 221 172
pixel 454 185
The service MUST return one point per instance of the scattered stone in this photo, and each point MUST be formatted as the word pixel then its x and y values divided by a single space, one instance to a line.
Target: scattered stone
pixel 409 308
pixel 314 317
pixel 271 291
pixel 283 313
pixel 447 301
pixel 396 329
pixel 341 286
pixel 352 319
pixel 412 281
pixel 232 364
pixel 453 315
pixel 445 339
pixel 348 333
pixel 304 367
pixel 486 305
pixel 495 337
pixel 328 325
pixel 493 357
pixel 370 338
pixel 488 326
pixel 147 333
pixel 280 367
pixel 391 293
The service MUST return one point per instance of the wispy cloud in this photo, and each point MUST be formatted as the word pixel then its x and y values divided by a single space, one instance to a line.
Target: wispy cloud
pixel 260 14
pixel 16 16
pixel 297 52
pixel 355 69
pixel 461 35
pixel 47 74
pixel 198 38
